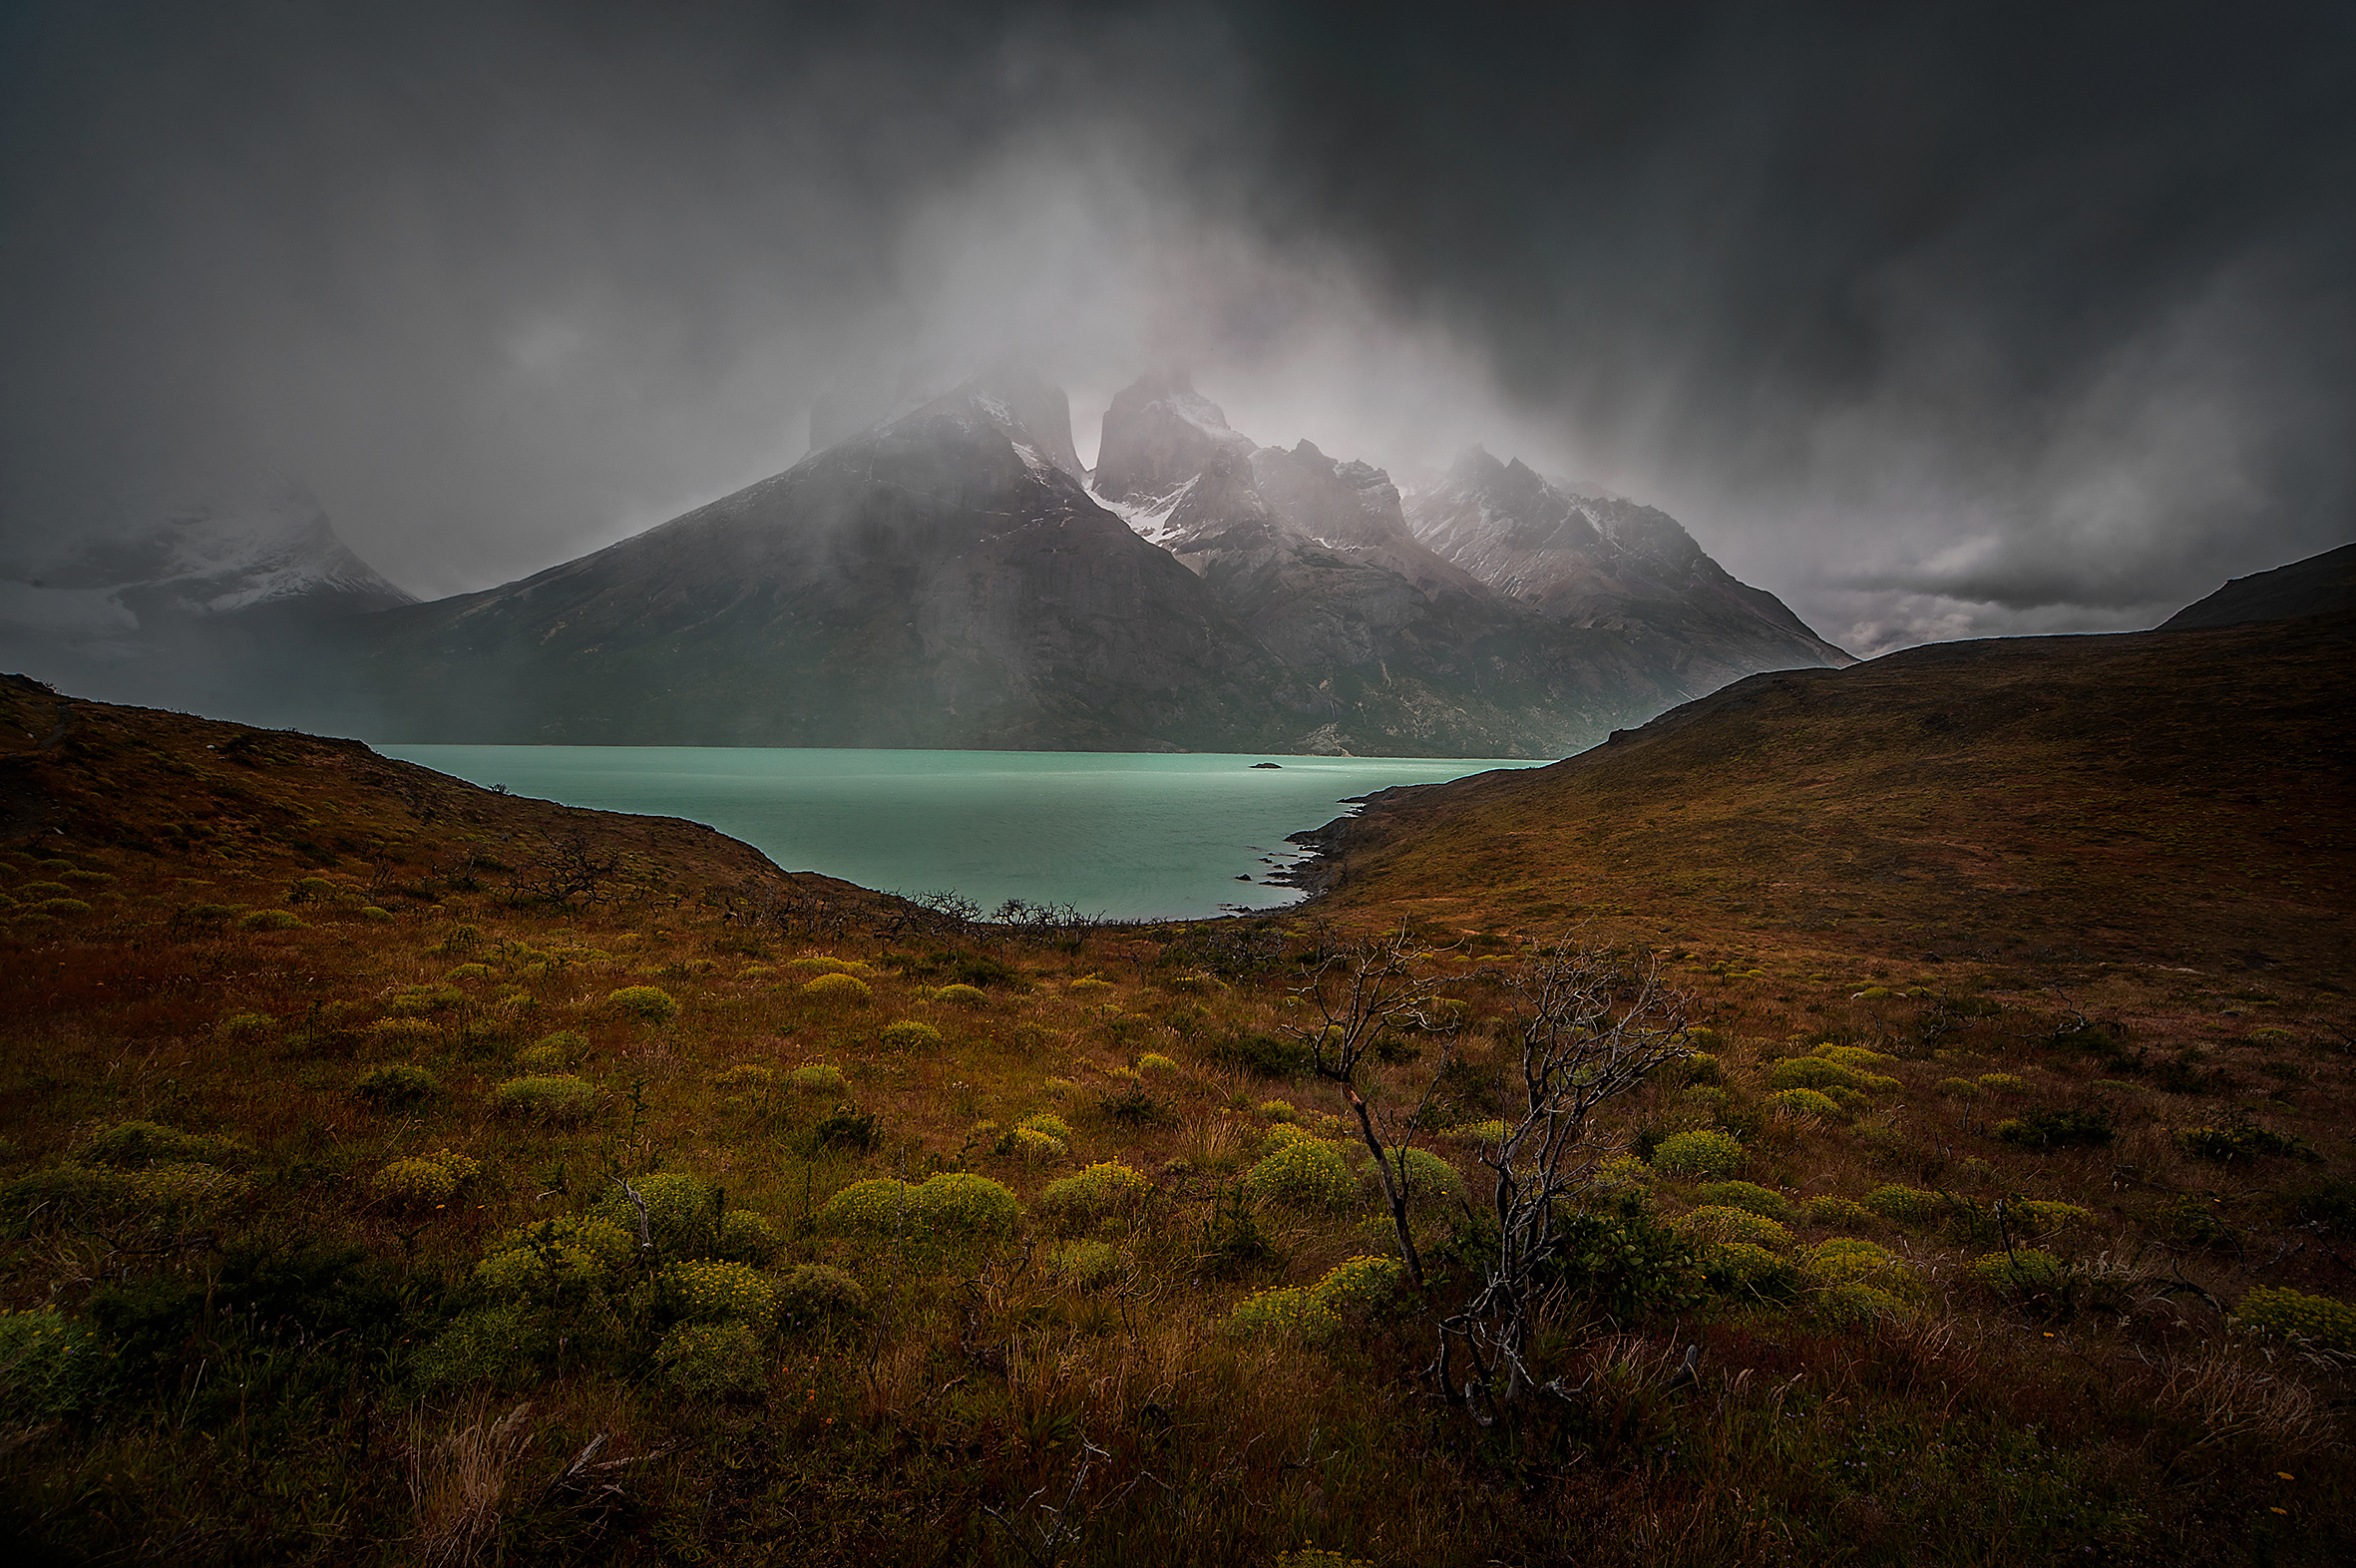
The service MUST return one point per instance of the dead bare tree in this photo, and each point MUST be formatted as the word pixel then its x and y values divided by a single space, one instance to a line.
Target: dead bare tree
pixel 569 865
pixel 1591 1027
pixel 1360 992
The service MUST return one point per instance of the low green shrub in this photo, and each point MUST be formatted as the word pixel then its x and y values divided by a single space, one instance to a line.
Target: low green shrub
pixel 713 1291
pixel 376 913
pixel 540 1060
pixel 426 1181
pixel 682 1217
pixel 131 1145
pixel 1745 1269
pixel 846 1127
pixel 1427 1177
pixel 2058 1128
pixel 910 1034
pixel 1361 1286
pixel 712 1359
pixel 489 1344
pixel 1265 1055
pixel 1479 1133
pixel 2240 1141
pixel 817 1078
pixel 1154 1062
pixel 557 1100
pixel 403 1034
pixel 1848 1260
pixel 1032 1147
pixel 1286 1313
pixel 1806 1102
pixel 818 1296
pixel 1839 1213
pixel 1048 1123
pixel 1306 1173
pixel 162 1197
pixel 2004 1083
pixel 746 1077
pixel 1909 1206
pixel 2320 1321
pixel 1701 1153
pixel 396 1085
pixel 649 1002
pixel 1713 1223
pixel 2025 1271
pixel 971 998
pixel 470 973
pixel 1813 1072
pixel 1098 1190
pixel 745 1237
pixel 548 1257
pixel 1086 1265
pixel 245 1027
pixel 838 989
pixel 951 1204
pixel 1957 1089
pixel 1761 1201
pixel 260 919
pixel 2038 1218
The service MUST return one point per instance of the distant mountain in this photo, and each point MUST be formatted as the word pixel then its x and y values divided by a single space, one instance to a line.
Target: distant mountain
pixel 1608 564
pixel 2318 585
pixel 163 609
pixel 942 580
pixel 945 573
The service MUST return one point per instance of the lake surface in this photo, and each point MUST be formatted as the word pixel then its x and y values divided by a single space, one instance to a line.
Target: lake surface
pixel 1130 836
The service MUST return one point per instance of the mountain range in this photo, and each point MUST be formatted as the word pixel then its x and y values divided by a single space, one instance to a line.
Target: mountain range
pixel 952 576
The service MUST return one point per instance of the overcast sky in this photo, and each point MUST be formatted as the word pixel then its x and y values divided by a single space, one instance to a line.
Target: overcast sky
pixel 1936 320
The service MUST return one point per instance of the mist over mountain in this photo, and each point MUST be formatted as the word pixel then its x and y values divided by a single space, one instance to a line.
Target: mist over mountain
pixel 944 576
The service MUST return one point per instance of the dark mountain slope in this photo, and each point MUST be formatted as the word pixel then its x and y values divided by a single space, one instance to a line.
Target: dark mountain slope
pixel 2323 584
pixel 939 583
pixel 2184 799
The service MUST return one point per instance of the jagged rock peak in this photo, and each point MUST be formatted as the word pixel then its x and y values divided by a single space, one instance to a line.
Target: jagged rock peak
pixel 1158 434
pixel 1032 410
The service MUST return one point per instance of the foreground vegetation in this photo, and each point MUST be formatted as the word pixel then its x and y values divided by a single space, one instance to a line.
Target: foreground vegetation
pixel 375 1190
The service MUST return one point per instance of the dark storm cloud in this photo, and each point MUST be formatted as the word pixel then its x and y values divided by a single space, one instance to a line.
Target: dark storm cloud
pixel 1935 319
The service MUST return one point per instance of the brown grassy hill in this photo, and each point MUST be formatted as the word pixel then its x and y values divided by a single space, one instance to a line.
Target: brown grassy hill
pixel 2042 807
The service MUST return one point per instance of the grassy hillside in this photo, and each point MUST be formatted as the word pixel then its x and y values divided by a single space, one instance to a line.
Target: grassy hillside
pixel 397 1171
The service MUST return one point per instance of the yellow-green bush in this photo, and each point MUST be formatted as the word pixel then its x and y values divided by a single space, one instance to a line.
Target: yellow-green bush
pixel 1306 1173
pixel 1848 1260
pixel 745 1237
pixel 1958 1089
pixel 815 1294
pixel 1049 1123
pixel 166 1196
pixel 1699 1153
pixel 683 1212
pixel 712 1359
pixel 1089 984
pixel 1287 1311
pixel 1839 1213
pixel 131 1145
pixel 1716 1223
pixel 1031 1145
pixel 748 1077
pixel 1086 1265
pixel 1361 1286
pixel 1806 1102
pixel 817 1077
pixel 838 989
pixel 542 1060
pixel 876 1206
pixel 951 1203
pixel 548 1256
pixel 260 919
pixel 714 1291
pixel 400 1083
pixel 2320 1321
pixel 1479 1133
pixel 1426 1176
pixel 1855 1057
pixel 468 973
pixel 1099 1189
pixel 375 911
pixel 910 1034
pixel 2004 1083
pixel 1821 1074
pixel 558 1100
pixel 1853 1305
pixel 1745 1269
pixel 971 998
pixel 2039 1217
pixel 1154 1062
pixel 2024 1270
pixel 1907 1205
pixel 1750 1196
pixel 649 1003
pixel 405 1035
pixel 425 1181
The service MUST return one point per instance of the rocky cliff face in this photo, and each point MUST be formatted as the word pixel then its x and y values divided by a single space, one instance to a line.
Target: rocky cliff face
pixel 1414 651
pixel 1609 564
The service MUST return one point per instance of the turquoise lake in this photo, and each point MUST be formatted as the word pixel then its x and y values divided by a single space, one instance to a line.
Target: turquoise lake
pixel 1130 836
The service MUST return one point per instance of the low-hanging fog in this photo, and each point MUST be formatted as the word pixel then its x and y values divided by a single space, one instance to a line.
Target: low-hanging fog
pixel 1937 320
